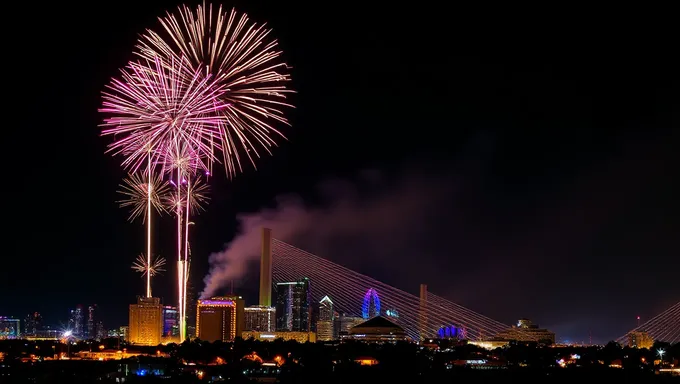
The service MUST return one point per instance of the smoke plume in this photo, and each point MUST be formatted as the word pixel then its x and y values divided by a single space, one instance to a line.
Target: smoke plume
pixel 370 219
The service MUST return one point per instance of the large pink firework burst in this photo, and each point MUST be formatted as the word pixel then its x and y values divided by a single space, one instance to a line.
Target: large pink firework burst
pixel 156 104
pixel 244 59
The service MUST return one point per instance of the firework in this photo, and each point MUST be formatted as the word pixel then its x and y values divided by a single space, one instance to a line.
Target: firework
pixel 211 87
pixel 155 105
pixel 244 59
pixel 142 192
pixel 136 189
pixel 197 192
pixel 153 268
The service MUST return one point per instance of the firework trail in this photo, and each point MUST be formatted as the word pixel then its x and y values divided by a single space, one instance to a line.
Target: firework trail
pixel 142 192
pixel 190 198
pixel 243 58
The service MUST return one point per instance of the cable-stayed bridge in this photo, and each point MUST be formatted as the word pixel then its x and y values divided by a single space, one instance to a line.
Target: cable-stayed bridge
pixel 662 327
pixel 421 316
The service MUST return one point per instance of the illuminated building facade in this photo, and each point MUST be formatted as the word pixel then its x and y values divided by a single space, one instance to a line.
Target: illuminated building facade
pixel 490 344
pixel 170 321
pixel 370 308
pixel 392 314
pixel 76 322
pixel 378 329
pixel 219 318
pixel 146 321
pixel 450 332
pixel 300 337
pixel 525 330
pixel 95 326
pixel 293 312
pixel 325 323
pixel 10 328
pixel 32 324
pixel 259 318
pixel 343 323
pixel 640 339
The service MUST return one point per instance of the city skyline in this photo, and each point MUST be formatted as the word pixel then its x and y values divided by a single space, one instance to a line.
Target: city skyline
pixel 543 171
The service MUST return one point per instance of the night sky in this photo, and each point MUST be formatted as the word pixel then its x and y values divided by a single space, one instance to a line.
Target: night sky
pixel 530 167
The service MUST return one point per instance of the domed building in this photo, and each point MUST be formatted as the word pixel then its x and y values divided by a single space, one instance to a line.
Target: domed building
pixel 378 329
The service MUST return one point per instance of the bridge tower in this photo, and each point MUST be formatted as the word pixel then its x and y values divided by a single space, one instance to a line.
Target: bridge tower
pixel 422 312
pixel 266 268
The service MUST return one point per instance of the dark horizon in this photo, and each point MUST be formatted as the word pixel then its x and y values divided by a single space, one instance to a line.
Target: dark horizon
pixel 521 167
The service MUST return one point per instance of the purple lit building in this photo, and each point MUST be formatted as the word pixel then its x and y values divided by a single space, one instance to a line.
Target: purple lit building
pixel 170 321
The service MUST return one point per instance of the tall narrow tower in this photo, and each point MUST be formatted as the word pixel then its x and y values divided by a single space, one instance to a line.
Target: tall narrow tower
pixel 422 312
pixel 266 268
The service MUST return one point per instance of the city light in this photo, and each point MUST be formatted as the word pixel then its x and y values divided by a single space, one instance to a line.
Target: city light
pixel 661 352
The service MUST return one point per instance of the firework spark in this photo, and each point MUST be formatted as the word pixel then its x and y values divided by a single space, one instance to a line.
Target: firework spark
pixel 244 59
pixel 156 104
pixel 154 268
pixel 198 196
pixel 136 194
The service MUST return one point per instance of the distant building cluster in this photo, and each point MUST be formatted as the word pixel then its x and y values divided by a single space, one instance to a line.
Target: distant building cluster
pixel 82 323
pixel 286 310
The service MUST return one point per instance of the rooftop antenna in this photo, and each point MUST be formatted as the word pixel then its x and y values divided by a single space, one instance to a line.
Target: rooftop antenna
pixel 638 321
pixel 232 287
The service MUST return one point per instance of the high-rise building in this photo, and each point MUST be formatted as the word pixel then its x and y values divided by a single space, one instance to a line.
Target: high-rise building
pixel 219 318
pixel 10 328
pixel 124 333
pixel 101 331
pixel 259 318
pixel 293 312
pixel 170 321
pixel 93 322
pixel 146 321
pixel 192 297
pixel 32 324
pixel 325 323
pixel 76 322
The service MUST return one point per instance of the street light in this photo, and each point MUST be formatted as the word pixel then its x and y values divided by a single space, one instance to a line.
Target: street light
pixel 661 352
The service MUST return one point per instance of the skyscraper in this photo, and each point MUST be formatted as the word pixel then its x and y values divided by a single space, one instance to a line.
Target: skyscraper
pixel 146 321
pixel 76 322
pixel 324 326
pixel 292 306
pixel 259 318
pixel 93 322
pixel 219 318
pixel 32 324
